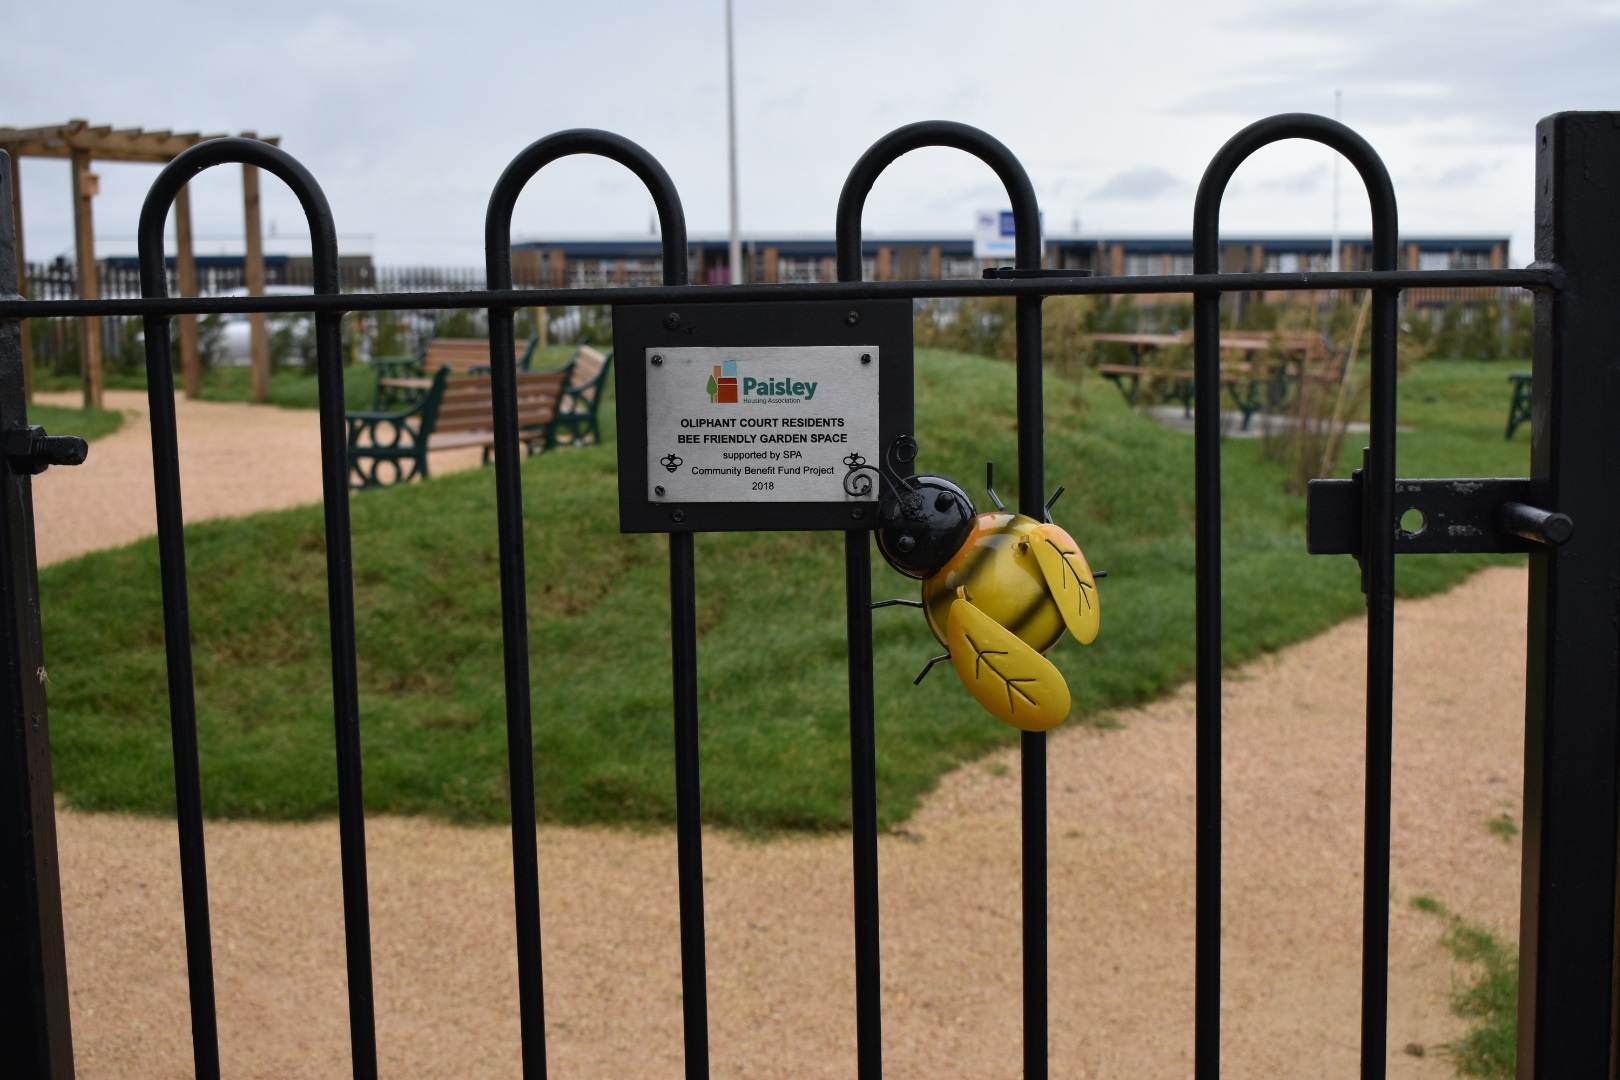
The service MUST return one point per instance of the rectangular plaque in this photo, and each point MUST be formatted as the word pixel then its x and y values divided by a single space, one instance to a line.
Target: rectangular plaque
pixel 760 423
pixel 758 416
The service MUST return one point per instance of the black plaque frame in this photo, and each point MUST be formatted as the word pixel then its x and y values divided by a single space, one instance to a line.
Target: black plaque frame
pixel 885 324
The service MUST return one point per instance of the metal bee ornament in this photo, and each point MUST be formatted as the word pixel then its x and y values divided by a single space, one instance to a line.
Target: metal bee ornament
pixel 998 590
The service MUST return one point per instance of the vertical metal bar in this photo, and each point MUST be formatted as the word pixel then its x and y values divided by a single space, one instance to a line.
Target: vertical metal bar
pixel 1378 566
pixel 688 803
pixel 34 1019
pixel 340 595
pixel 182 697
pixel 862 759
pixel 863 805
pixel 519 729
pixel 515 619
pixel 1031 496
pixel 1207 649
pixel 1378 569
pixel 1567 937
pixel 345 676
pixel 1032 744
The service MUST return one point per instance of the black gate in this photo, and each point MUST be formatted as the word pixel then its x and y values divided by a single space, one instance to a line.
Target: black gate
pixel 1564 515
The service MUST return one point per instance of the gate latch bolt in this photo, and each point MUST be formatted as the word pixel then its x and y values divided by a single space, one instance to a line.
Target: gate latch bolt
pixel 30 450
pixel 1534 524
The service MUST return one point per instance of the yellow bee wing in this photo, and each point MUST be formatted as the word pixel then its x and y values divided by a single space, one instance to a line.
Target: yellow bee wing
pixel 1017 684
pixel 1068 579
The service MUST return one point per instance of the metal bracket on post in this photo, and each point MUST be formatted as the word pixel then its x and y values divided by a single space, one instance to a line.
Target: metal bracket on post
pixel 30 450
pixel 1457 516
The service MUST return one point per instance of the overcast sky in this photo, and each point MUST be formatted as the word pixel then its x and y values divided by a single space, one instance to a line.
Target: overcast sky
pixel 407 111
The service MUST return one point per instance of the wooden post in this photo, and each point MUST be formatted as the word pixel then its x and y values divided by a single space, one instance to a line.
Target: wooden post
pixel 253 268
pixel 186 263
pixel 22 274
pixel 84 237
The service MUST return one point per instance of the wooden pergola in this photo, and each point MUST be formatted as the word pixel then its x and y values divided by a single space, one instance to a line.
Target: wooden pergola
pixel 81 143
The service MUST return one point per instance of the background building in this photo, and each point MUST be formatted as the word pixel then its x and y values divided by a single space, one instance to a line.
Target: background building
pixel 808 257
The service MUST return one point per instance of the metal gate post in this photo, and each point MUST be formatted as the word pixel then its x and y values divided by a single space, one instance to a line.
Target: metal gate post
pixel 33 963
pixel 1567 958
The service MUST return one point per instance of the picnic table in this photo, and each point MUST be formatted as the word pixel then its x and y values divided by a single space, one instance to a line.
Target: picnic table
pixel 1253 383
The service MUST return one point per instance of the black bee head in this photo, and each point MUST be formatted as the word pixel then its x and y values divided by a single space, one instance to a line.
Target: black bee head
pixel 922 524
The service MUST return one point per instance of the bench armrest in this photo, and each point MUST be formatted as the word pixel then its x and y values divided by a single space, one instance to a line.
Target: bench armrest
pixel 389 367
pixel 371 416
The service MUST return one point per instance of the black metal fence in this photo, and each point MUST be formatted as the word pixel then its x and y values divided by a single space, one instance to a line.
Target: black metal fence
pixel 1476 321
pixel 1572 779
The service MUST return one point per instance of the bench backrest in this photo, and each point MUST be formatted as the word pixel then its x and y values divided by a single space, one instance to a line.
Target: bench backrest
pixel 460 355
pixel 587 365
pixel 469 403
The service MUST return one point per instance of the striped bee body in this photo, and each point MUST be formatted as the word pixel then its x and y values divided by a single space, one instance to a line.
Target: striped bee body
pixel 1000 576
pixel 998 589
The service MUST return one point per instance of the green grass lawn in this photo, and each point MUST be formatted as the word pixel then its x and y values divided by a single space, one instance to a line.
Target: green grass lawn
pixel 88 424
pixel 290 388
pixel 1489 1000
pixel 771 620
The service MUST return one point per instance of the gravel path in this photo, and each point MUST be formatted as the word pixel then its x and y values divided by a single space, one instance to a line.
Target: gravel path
pixel 234 459
pixel 780 960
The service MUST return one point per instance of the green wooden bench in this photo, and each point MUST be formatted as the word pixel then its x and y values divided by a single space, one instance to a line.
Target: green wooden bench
pixel 391 446
pixel 577 417
pixel 403 380
pixel 1519 405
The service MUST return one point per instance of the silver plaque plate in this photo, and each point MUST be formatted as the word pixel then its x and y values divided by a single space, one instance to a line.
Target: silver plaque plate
pixel 760 423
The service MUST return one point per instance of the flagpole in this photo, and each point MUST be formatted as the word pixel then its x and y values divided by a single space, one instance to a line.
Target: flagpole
pixel 738 276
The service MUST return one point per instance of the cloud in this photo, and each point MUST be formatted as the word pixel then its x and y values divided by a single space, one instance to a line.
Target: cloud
pixel 1467 175
pixel 790 101
pixel 1303 182
pixel 1476 70
pixel 1140 184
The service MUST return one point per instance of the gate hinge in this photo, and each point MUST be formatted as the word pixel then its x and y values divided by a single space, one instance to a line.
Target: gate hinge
pixel 31 451
pixel 1454 516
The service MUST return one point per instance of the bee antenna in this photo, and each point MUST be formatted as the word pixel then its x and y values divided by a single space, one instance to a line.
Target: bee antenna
pixel 990 484
pixel 1056 495
pixel 923 674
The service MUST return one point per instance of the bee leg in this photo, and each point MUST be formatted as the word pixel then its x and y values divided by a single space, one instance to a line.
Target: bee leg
pixel 1047 509
pixel 896 603
pixel 990 485
pixel 923 674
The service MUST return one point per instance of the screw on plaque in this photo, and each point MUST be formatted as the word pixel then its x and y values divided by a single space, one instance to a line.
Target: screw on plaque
pixel 852 317
pixel 672 321
pixel 657 361
pixel 866 358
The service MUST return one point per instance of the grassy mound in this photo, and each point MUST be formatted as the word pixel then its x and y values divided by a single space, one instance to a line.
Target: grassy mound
pixel 771 619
